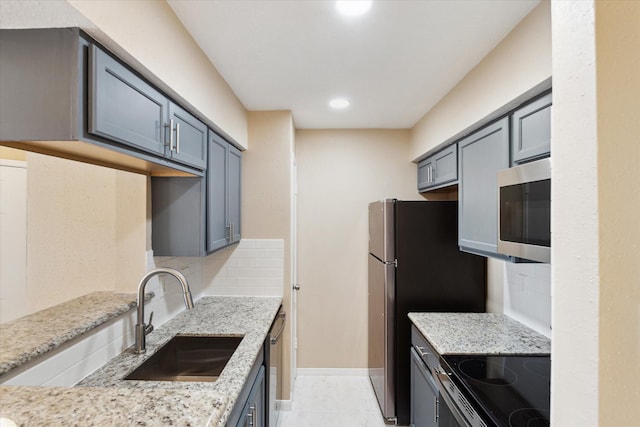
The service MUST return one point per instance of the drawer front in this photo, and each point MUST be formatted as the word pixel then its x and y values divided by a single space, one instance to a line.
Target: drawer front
pixel 423 349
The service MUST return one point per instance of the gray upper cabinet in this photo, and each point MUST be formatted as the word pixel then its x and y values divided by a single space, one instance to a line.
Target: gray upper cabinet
pixel 439 170
pixel 217 172
pixel 197 216
pixel 235 192
pixel 531 130
pixel 78 101
pixel 187 138
pixel 223 193
pixel 425 168
pixel 122 107
pixel 481 155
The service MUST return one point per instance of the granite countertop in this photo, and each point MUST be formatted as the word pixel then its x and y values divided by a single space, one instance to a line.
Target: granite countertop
pixel 57 406
pixel 156 402
pixel 26 338
pixel 479 333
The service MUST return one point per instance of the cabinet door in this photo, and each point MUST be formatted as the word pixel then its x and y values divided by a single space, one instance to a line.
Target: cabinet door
pixel 123 107
pixel 425 168
pixel 531 130
pixel 253 414
pixel 424 395
pixel 481 155
pixel 187 138
pixel 234 192
pixel 445 165
pixel 217 202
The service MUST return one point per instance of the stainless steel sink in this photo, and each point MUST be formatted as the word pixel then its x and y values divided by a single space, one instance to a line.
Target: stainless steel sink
pixel 188 358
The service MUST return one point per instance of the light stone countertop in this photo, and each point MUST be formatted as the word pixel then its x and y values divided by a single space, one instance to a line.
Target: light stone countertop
pixel 117 402
pixel 28 337
pixel 479 333
pixel 58 406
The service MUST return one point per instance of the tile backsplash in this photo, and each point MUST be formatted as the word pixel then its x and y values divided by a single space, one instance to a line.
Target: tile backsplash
pixel 527 295
pixel 253 267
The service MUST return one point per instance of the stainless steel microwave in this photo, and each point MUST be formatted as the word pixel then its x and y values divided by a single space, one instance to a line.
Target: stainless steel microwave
pixel 524 211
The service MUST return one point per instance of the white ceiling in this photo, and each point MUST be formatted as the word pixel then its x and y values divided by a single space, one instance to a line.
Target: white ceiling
pixel 393 64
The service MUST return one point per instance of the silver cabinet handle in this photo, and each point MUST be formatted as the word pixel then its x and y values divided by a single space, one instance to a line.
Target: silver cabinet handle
pixel 420 351
pixel 296 287
pixel 231 231
pixel 171 135
pixel 252 415
pixel 170 126
pixel 177 138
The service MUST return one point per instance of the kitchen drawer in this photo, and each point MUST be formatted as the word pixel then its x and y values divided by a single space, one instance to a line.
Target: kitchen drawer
pixel 424 350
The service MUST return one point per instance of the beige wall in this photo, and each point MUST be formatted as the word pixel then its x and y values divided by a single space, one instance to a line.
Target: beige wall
pixel 85 230
pixel 595 274
pixel 618 93
pixel 266 196
pixel 339 173
pixel 517 64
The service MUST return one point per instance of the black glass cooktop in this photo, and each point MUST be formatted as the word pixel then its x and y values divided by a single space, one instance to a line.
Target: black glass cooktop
pixel 510 391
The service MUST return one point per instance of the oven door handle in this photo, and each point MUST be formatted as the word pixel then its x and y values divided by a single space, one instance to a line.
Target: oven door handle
pixel 441 378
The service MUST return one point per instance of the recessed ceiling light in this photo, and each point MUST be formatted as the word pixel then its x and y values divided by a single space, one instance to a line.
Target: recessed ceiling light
pixel 353 7
pixel 339 103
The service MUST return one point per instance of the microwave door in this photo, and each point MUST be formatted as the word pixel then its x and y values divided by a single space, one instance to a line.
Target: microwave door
pixel 524 211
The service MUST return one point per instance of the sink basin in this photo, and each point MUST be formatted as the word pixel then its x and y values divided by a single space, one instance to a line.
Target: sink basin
pixel 188 358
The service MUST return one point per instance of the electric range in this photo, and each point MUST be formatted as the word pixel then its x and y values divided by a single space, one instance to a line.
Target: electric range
pixel 496 390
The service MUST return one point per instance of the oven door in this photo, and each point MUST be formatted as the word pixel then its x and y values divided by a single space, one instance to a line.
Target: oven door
pixel 453 414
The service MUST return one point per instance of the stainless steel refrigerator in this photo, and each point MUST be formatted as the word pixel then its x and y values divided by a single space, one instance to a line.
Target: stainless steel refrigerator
pixel 414 265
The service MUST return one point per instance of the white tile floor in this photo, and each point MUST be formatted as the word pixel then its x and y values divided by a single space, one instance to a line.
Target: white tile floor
pixel 333 401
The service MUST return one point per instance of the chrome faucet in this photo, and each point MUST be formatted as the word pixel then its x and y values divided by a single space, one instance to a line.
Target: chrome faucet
pixel 141 329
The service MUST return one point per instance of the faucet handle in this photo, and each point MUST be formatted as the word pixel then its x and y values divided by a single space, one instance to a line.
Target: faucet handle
pixel 149 327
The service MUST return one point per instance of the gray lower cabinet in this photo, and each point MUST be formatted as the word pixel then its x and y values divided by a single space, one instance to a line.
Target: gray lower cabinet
pixel 196 216
pixel 249 409
pixel 531 130
pixel 253 413
pixel 481 155
pixel 439 170
pixel 424 395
